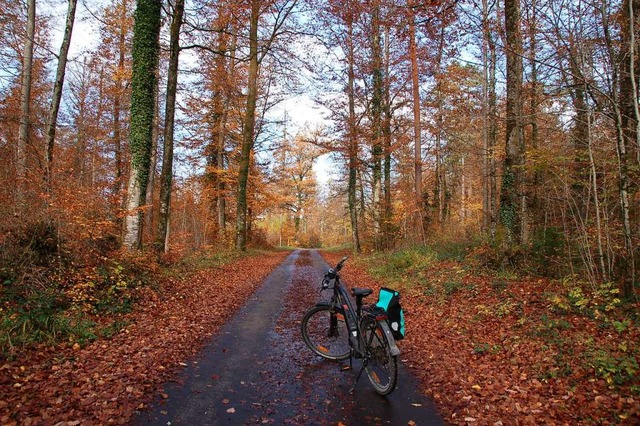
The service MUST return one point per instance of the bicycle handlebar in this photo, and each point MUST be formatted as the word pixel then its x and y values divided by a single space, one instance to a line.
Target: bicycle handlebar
pixel 339 265
pixel 333 272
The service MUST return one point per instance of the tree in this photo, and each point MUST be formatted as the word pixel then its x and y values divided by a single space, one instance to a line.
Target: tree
pixel 417 128
pixel 352 133
pixel 282 11
pixel 295 178
pixel 489 126
pixel 170 110
pixel 377 99
pixel 25 103
pixel 145 58
pixel 57 90
pixel 248 129
pixel 511 202
pixel 120 18
pixel 629 134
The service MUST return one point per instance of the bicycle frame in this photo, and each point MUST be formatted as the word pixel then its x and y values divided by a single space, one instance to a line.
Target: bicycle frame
pixel 341 304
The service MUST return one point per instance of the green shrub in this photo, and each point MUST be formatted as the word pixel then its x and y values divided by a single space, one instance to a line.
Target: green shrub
pixel 595 302
pixel 614 369
pixel 41 319
pixel 451 287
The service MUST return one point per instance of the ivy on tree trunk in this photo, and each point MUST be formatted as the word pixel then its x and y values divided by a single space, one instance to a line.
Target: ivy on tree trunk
pixel 143 82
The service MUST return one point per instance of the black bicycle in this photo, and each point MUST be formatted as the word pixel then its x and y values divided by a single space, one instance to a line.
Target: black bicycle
pixel 336 331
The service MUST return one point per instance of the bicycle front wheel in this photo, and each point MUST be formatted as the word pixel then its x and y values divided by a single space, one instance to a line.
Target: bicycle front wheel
pixel 325 332
pixel 381 365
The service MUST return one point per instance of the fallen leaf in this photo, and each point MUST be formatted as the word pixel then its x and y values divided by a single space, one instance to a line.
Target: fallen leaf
pixel 231 410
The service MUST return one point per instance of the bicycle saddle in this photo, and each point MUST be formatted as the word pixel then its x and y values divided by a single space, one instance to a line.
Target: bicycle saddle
pixel 361 291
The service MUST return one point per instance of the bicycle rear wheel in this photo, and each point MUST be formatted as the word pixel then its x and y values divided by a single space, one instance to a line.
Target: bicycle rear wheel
pixel 325 332
pixel 381 367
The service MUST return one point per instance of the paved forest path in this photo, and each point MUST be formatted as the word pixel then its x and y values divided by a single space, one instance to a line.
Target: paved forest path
pixel 257 370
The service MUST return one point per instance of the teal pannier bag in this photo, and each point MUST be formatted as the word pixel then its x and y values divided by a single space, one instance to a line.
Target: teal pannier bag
pixel 389 300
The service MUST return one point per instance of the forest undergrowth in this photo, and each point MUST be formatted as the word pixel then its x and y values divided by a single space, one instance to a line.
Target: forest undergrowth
pixel 492 346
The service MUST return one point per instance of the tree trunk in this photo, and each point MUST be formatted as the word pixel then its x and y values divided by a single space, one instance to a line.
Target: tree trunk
pixel 492 138
pixel 248 129
pixel 117 111
pixel 629 75
pixel 530 205
pixel 376 118
pixel 143 83
pixel 216 157
pixel 417 129
pixel 387 214
pixel 166 176
pixel 440 181
pixel 486 215
pixel 580 133
pixel 490 125
pixel 511 207
pixel 605 273
pixel 57 92
pixel 25 106
pixel 353 138
pixel 622 98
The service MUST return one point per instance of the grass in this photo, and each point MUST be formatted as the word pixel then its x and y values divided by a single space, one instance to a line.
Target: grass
pixel 402 263
pixel 41 319
pixel 212 259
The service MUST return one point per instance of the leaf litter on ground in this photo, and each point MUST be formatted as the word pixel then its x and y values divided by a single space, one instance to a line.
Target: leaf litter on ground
pixel 110 379
pixel 502 356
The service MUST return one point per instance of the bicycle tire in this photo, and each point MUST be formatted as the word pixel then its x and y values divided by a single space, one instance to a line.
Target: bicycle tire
pixel 382 366
pixel 317 333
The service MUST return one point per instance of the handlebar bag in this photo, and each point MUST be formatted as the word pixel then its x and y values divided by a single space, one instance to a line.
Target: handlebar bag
pixel 389 300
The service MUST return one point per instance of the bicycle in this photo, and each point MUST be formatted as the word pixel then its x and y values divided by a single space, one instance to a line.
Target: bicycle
pixel 335 331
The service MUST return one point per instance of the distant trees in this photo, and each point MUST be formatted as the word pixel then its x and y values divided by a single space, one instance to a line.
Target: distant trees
pixel 281 10
pixel 515 121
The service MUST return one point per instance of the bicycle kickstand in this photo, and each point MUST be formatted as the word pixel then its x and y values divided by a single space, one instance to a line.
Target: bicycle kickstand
pixel 364 365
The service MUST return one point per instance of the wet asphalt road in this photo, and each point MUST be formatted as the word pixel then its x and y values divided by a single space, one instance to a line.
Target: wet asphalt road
pixel 257 370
